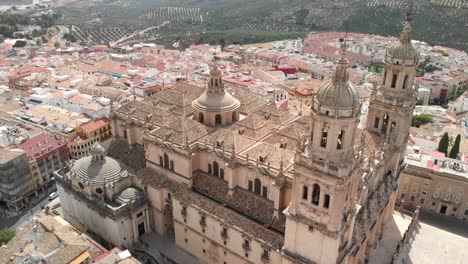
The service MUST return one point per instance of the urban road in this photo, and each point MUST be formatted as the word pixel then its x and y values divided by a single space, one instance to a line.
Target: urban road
pixel 8 219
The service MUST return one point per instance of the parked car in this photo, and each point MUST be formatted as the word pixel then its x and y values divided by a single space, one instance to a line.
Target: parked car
pixel 53 196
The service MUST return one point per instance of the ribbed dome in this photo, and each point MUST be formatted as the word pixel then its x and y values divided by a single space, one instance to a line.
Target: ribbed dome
pixel 130 194
pixel 216 102
pixel 338 94
pixel 97 171
pixel 403 49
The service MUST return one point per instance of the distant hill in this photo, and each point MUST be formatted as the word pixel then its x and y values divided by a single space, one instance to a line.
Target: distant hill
pixel 438 22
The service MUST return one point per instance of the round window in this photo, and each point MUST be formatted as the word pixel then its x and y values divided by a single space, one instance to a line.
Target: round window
pixel 81 185
pixel 99 190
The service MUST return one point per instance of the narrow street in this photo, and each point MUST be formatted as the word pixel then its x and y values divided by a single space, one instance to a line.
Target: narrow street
pixel 26 213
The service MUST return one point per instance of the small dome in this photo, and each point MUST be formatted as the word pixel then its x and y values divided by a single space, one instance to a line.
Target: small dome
pixel 130 194
pixel 97 150
pixel 403 49
pixel 337 94
pixel 215 71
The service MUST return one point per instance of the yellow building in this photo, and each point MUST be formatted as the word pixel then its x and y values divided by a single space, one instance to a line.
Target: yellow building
pixel 84 137
pixel 437 184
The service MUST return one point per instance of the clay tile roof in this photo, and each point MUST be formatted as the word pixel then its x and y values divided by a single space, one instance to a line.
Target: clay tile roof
pixel 94 125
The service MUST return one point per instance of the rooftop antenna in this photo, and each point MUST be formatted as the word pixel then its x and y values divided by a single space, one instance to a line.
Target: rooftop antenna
pixel 410 12
pixel 343 42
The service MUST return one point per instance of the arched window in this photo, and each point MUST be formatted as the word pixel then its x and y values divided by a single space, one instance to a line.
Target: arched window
pixel 385 124
pixel 161 162
pixel 316 194
pixel 234 116
pixel 257 186
pixel 393 127
pixel 339 143
pixel 376 122
pixel 166 161
pixel 250 186
pixel 305 192
pixel 265 191
pixel 216 82
pixel 326 202
pixel 215 169
pixel 200 117
pixel 323 141
pixel 405 82
pixel 218 119
pixel 172 165
pixel 221 173
pixel 394 79
pixel 384 77
pixel 209 169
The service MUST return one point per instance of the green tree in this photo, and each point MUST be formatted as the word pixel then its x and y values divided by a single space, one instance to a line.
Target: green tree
pixel 19 44
pixel 421 119
pixel 57 44
pixel 6 234
pixel 455 148
pixel 444 144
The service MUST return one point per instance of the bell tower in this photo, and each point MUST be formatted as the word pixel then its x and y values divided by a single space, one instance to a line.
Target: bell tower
pixel 394 98
pixel 319 218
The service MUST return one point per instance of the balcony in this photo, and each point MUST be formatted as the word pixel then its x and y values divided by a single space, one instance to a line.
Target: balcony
pixel 436 195
pixel 224 234
pixel 265 257
pixel 246 246
pixel 203 221
pixel 447 198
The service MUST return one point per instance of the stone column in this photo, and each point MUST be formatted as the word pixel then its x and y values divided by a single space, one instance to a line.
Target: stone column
pixel 134 228
pixel 147 221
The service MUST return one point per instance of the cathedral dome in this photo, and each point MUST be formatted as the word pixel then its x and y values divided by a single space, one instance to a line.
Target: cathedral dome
pixel 216 102
pixel 338 92
pixel 98 169
pixel 215 99
pixel 403 49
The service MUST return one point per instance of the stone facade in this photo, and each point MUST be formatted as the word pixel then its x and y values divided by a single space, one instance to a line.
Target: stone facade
pixel 99 196
pixel 247 182
pixel 441 192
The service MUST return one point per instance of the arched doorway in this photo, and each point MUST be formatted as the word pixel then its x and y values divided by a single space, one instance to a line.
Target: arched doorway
pixel 385 124
pixel 257 186
pixel 316 194
pixel 166 161
pixel 218 119
pixel 215 169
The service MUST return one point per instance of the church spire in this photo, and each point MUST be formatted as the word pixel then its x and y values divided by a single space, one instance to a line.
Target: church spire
pixel 341 72
pixel 406 36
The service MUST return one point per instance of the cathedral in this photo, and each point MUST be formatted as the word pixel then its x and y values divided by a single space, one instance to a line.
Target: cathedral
pixel 234 179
